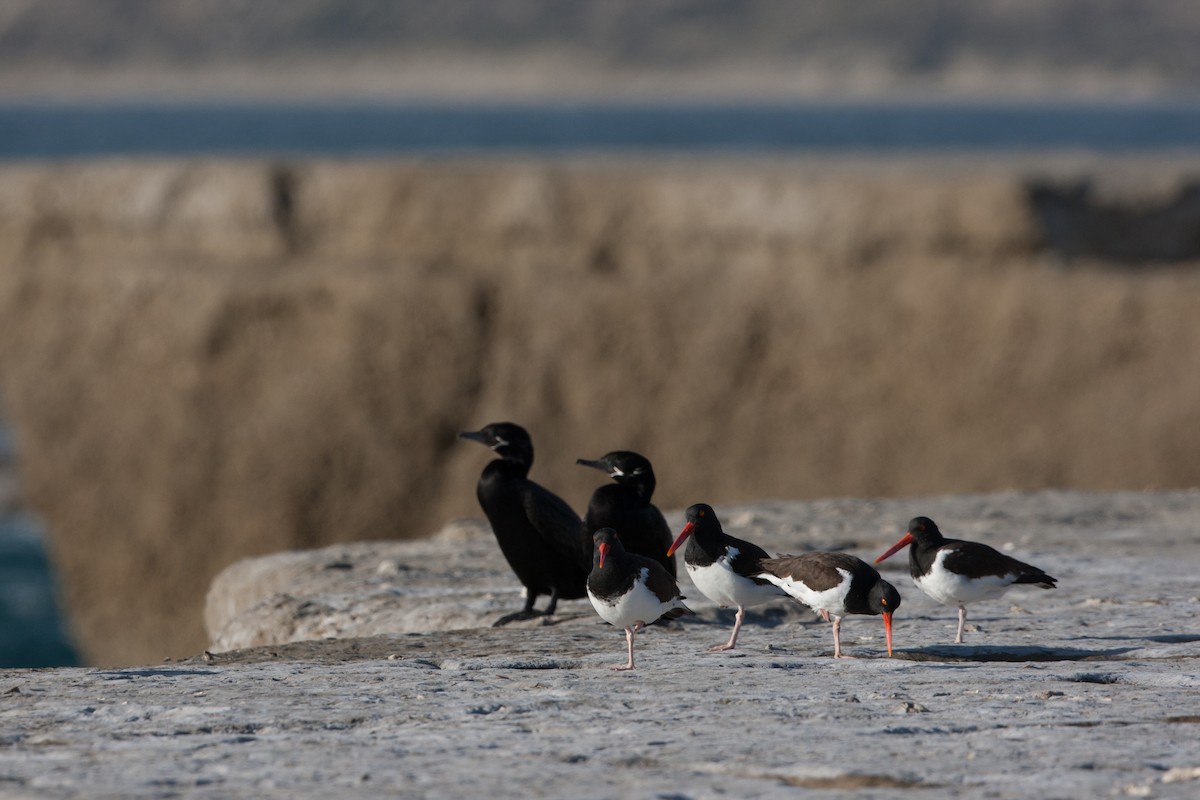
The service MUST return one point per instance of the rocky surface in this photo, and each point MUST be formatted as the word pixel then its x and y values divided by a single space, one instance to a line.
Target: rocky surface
pixel 210 360
pixel 455 580
pixel 458 580
pixel 1089 690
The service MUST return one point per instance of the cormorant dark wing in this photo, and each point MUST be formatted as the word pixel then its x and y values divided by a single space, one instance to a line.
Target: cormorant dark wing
pixel 557 523
pixel 662 532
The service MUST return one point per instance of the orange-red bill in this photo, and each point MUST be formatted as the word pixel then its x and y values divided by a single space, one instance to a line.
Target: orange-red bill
pixel 683 534
pixel 887 626
pixel 603 553
pixel 904 542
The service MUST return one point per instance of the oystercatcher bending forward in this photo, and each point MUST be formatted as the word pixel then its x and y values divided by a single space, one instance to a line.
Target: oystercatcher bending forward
pixel 628 590
pixel 723 567
pixel 956 572
pixel 537 531
pixel 834 585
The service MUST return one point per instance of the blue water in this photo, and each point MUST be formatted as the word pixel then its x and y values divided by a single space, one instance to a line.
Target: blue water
pixel 32 631
pixel 63 131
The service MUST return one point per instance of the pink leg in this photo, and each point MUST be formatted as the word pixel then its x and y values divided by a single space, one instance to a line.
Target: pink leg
pixel 629 633
pixel 824 614
pixel 962 621
pixel 837 638
pixel 737 626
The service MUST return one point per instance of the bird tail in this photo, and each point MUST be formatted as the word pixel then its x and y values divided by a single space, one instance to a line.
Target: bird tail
pixel 678 611
pixel 1038 578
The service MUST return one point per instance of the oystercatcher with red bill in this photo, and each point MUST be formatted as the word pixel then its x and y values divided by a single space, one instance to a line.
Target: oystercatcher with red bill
pixel 726 569
pixel 834 585
pixel 625 506
pixel 630 591
pixel 537 531
pixel 957 572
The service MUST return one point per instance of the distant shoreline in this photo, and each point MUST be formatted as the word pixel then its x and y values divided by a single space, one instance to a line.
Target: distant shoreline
pixel 548 80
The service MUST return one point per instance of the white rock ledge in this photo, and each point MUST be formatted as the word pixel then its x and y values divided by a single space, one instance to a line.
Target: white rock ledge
pixel 1090 690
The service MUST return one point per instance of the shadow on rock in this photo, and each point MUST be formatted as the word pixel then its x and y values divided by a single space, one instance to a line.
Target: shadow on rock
pixel 985 653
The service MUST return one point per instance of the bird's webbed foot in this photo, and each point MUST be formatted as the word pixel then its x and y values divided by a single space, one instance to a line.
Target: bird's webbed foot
pixel 517 616
pixel 525 613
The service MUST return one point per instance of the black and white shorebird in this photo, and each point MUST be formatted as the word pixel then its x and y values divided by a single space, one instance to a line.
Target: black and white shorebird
pixel 625 506
pixel 957 572
pixel 834 585
pixel 537 531
pixel 630 591
pixel 726 569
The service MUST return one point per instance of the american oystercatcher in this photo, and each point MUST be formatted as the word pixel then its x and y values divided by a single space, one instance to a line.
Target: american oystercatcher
pixel 625 506
pixel 955 572
pixel 630 591
pixel 723 567
pixel 833 585
pixel 537 531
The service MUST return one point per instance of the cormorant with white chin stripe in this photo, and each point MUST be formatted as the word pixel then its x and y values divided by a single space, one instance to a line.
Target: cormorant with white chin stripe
pixel 538 532
pixel 625 507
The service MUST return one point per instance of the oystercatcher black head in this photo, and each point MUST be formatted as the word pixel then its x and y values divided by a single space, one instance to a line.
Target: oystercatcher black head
pixel 921 530
pixel 723 567
pixel 700 522
pixel 883 599
pixel 958 572
pixel 625 506
pixel 628 590
pixel 537 531
pixel 833 585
